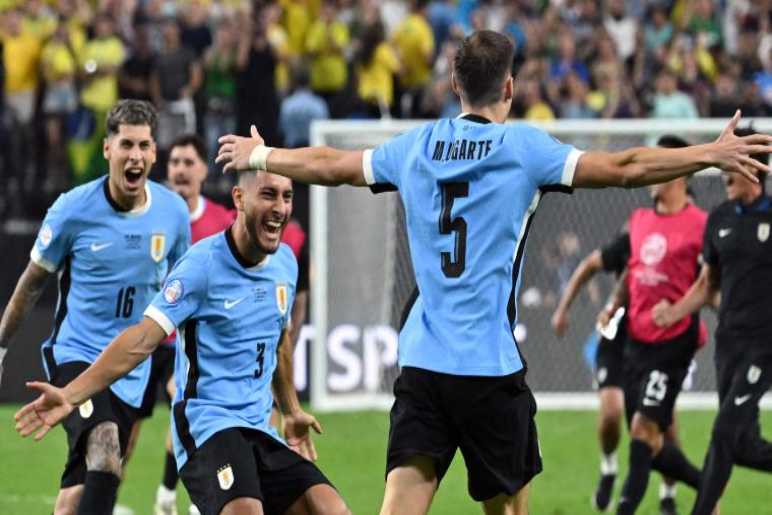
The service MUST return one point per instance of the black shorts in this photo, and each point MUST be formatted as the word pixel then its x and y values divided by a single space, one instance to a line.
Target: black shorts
pixel 655 375
pixel 743 376
pixel 102 407
pixel 239 462
pixel 491 419
pixel 610 359
pixel 161 369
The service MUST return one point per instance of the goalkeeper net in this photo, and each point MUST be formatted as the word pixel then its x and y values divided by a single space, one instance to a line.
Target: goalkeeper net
pixel 362 275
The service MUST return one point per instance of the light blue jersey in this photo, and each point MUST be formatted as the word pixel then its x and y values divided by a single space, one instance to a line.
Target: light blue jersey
pixel 470 189
pixel 110 264
pixel 229 319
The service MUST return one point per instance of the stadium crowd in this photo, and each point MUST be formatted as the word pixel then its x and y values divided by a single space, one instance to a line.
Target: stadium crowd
pixel 218 66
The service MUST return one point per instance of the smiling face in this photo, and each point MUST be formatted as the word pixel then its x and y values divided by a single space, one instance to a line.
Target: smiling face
pixel 264 204
pixel 130 153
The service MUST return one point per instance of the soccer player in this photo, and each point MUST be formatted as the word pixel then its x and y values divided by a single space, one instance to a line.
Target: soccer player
pixel 737 269
pixel 470 187
pixel 111 242
pixel 186 172
pixel 664 246
pixel 229 299
pixel 610 370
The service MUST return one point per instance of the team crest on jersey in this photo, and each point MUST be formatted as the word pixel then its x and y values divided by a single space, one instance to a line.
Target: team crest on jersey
pixel 86 409
pixel 225 477
pixel 754 373
pixel 763 232
pixel 157 246
pixel 45 236
pixel 282 300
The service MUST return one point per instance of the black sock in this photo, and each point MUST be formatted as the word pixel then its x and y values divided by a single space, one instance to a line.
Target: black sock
pixel 672 462
pixel 170 472
pixel 716 472
pixel 99 493
pixel 637 478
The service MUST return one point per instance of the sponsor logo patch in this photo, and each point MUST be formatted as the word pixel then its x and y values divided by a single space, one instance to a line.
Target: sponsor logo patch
pixel 46 235
pixel 653 249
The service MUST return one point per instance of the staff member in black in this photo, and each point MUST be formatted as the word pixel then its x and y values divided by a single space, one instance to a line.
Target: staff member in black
pixel 736 277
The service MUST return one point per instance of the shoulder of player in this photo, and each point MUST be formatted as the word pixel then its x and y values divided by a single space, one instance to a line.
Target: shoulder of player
pixel 72 204
pixel 721 211
pixel 285 258
pixel 167 198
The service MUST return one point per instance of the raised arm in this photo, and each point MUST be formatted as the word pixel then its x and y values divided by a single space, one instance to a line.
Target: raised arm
pixel 124 353
pixel 583 273
pixel 704 291
pixel 641 166
pixel 295 421
pixel 25 296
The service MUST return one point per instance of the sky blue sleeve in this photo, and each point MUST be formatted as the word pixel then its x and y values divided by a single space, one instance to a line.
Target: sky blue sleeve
pixel 183 293
pixel 384 164
pixel 55 237
pixel 547 161
pixel 184 238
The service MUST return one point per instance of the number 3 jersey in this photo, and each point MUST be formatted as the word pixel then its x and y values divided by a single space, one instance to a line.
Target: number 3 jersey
pixel 229 318
pixel 110 264
pixel 470 189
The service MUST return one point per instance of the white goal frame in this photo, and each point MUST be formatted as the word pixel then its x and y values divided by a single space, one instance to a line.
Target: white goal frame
pixel 321 400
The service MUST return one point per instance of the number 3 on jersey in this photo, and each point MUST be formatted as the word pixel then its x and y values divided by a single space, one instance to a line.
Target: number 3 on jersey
pixel 453 267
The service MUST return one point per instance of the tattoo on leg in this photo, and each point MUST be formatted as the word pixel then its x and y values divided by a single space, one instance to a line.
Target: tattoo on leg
pixel 103 449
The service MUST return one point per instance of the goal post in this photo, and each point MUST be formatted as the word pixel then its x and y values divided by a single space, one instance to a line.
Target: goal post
pixel 361 274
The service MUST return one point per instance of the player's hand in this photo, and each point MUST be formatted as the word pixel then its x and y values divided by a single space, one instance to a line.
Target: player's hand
pixel 662 314
pixel 732 153
pixel 296 428
pixel 559 322
pixel 235 150
pixel 44 412
pixel 605 315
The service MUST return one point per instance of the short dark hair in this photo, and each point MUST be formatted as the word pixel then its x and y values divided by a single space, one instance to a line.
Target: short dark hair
pixel 131 112
pixel 482 62
pixel 193 140
pixel 762 158
pixel 671 141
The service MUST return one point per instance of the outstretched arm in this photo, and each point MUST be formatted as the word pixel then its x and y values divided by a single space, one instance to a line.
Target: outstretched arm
pixel 124 353
pixel 583 273
pixel 704 291
pixel 25 296
pixel 642 166
pixel 296 423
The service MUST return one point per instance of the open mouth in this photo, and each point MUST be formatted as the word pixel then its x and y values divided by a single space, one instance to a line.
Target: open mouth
pixel 134 176
pixel 273 227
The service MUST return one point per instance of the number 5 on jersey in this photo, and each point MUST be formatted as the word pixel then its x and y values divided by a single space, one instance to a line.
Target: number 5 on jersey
pixel 450 192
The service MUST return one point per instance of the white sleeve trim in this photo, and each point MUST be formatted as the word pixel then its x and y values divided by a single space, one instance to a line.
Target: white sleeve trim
pixel 42 262
pixel 367 167
pixel 569 167
pixel 159 316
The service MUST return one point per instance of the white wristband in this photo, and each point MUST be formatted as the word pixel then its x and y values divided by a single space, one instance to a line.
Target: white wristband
pixel 259 157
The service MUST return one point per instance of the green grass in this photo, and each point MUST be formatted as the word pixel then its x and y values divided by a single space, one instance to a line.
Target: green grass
pixel 352 454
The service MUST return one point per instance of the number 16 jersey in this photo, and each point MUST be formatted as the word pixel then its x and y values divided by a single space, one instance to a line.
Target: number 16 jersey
pixel 110 264
pixel 470 189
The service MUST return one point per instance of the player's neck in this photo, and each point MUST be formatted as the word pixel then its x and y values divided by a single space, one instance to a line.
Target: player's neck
pixel 192 202
pixel 750 197
pixel 495 113
pixel 247 249
pixel 126 203
pixel 667 205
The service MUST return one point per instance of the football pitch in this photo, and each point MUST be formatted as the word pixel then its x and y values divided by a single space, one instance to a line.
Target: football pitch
pixel 352 454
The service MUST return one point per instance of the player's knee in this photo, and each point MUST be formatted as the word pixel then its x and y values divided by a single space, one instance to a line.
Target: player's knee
pixel 243 506
pixel 647 431
pixel 611 417
pixel 325 500
pixel 103 449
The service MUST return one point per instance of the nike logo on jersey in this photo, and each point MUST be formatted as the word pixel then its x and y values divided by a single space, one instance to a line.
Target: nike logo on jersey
pixel 96 247
pixel 724 232
pixel 649 402
pixel 740 400
pixel 230 303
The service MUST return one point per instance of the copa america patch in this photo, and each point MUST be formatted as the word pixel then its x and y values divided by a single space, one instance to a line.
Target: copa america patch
pixel 46 235
pixel 173 291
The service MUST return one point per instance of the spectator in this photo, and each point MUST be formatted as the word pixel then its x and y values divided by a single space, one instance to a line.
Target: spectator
pixel 299 109
pixel 621 27
pixel 536 108
pixel 723 101
pixel 134 78
pixel 220 84
pixel 669 102
pixel 101 59
pixel 21 56
pixel 702 21
pixel 574 99
pixel 414 42
pixel 58 67
pixel 566 61
pixel 325 44
pixel 175 79
pixel 376 67
pixel 195 34
pixel 658 30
